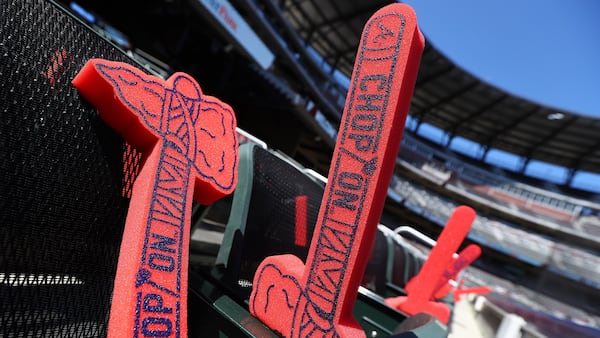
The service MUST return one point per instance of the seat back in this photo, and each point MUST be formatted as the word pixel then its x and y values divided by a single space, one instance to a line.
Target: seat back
pixel 274 211
pixel 63 192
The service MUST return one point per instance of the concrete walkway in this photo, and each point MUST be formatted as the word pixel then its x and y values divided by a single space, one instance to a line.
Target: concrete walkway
pixel 465 323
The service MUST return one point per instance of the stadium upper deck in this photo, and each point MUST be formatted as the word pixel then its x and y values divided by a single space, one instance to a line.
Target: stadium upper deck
pixel 459 104
pixel 309 51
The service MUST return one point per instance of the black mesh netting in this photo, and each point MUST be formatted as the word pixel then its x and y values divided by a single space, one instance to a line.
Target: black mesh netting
pixel 271 221
pixel 61 179
pixel 271 216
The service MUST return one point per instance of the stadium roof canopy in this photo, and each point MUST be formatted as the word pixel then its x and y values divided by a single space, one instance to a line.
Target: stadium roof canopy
pixel 450 98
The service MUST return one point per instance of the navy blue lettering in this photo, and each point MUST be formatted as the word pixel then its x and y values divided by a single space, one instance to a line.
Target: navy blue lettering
pixel 163 243
pixel 154 303
pixel 373 77
pixel 156 327
pixel 369 98
pixel 345 199
pixel 364 122
pixel 363 142
pixel 161 262
pixel 350 181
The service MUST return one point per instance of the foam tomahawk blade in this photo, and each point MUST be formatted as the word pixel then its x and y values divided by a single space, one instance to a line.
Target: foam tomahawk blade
pixel 189 143
pixel 316 299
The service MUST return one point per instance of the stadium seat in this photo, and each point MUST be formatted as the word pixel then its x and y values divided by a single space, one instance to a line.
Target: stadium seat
pixel 274 210
pixel 403 262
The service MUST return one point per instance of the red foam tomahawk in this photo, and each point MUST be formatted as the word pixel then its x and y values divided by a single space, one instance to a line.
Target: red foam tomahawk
pixel 316 299
pixel 439 267
pixel 190 151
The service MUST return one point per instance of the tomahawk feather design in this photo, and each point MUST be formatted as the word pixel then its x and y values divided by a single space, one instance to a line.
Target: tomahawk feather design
pixel 189 145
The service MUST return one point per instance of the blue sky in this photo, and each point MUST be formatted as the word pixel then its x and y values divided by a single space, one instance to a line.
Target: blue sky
pixel 546 51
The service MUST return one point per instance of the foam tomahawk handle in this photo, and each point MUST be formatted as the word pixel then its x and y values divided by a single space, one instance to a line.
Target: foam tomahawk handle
pixel 189 144
pixel 316 299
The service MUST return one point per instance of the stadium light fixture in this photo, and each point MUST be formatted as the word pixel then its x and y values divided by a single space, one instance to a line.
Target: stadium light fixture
pixel 555 116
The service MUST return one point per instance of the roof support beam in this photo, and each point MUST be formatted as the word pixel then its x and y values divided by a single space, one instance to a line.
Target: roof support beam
pixel 419 115
pixel 564 125
pixel 300 70
pixel 453 129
